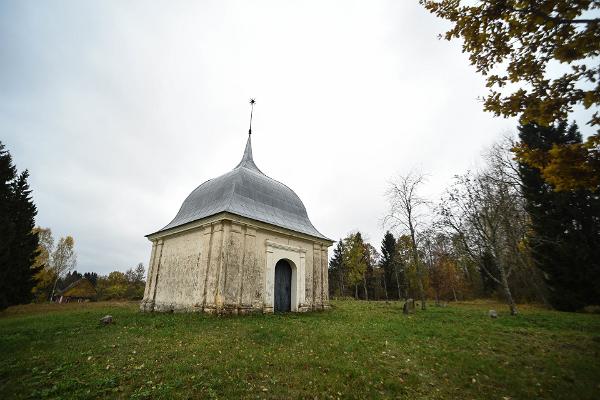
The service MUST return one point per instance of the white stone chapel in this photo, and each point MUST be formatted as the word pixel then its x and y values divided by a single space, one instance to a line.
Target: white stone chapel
pixel 241 242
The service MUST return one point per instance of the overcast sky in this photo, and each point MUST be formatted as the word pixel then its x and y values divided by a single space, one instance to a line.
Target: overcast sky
pixel 119 109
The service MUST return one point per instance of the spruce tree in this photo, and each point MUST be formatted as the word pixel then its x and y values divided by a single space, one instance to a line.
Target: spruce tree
pixel 390 274
pixel 92 277
pixel 565 239
pixel 336 270
pixel 18 241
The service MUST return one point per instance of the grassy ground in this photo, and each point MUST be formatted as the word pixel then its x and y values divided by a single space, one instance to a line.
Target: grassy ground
pixel 356 350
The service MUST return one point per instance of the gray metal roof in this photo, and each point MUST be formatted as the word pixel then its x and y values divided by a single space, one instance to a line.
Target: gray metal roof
pixel 247 192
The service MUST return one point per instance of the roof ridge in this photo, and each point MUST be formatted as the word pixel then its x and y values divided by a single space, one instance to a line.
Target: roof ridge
pixel 73 284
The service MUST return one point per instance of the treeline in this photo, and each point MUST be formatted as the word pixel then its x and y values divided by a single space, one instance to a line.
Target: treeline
pixel 500 231
pixel 117 285
pixel 55 266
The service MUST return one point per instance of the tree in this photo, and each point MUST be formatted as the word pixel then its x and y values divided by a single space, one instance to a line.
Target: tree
pixel 69 278
pixel 389 264
pixel 336 270
pixel 92 277
pixel 117 284
pixel 135 275
pixel 444 276
pixel 525 38
pixel 480 209
pixel 139 273
pixel 527 283
pixel 135 282
pixel 406 213
pixel 45 247
pixel 45 277
pixel 370 276
pixel 64 259
pixel 566 165
pixel 18 240
pixel 405 272
pixel 355 261
pixel 564 238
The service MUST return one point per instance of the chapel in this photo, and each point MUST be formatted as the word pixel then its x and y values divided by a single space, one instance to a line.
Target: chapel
pixel 240 243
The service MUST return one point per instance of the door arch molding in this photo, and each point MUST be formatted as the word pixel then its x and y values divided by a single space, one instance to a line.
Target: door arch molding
pixel 296 258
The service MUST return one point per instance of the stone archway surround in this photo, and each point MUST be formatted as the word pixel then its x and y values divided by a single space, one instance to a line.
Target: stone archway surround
pixel 296 257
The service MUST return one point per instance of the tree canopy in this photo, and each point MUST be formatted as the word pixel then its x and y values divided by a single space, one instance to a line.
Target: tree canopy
pixel 541 60
pixel 524 38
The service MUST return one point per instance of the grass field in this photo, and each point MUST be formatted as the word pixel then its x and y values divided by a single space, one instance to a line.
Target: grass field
pixel 355 350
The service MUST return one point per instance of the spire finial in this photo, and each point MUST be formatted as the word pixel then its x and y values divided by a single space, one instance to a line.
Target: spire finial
pixel 252 101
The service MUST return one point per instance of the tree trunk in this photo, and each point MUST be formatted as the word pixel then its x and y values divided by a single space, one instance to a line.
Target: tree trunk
pixel 385 286
pixel 356 291
pixel 421 291
pixel 507 293
pixel 365 286
pixel 398 284
pixel 454 293
pixel 418 265
pixel 54 288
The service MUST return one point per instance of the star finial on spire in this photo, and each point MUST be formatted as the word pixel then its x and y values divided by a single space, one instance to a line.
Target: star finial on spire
pixel 252 101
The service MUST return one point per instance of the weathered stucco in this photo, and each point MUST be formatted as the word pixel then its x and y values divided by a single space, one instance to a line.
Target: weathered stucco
pixel 225 264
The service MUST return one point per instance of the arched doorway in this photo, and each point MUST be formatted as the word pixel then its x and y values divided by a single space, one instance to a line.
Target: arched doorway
pixel 283 286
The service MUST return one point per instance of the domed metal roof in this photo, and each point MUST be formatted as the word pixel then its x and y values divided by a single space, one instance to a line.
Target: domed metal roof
pixel 247 192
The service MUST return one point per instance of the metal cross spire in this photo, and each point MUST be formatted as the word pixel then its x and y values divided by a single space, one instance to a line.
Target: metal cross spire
pixel 252 101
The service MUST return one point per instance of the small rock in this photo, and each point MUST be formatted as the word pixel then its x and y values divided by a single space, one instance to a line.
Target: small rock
pixel 107 319
pixel 493 314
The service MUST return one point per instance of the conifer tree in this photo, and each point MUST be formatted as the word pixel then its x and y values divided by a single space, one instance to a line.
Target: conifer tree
pixel 18 241
pixel 565 239
pixel 390 273
pixel 92 277
pixel 336 270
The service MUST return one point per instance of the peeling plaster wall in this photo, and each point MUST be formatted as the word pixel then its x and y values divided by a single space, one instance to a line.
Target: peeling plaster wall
pixel 220 264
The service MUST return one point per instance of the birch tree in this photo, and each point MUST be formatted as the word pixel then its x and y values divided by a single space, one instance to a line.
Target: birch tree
pixel 64 259
pixel 407 213
pixel 479 209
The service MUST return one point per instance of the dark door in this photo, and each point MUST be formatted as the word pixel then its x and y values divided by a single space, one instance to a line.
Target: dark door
pixel 283 286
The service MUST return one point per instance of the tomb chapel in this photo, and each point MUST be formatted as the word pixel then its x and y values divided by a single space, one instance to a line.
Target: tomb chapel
pixel 240 243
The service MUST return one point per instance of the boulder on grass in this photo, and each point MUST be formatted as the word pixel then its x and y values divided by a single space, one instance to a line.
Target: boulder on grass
pixel 493 314
pixel 107 319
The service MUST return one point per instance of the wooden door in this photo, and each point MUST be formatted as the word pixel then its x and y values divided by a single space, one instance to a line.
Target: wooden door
pixel 283 286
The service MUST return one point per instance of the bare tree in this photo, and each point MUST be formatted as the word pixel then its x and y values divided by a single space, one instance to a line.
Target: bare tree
pixel 480 210
pixel 64 259
pixel 503 170
pixel 407 213
pixel 136 275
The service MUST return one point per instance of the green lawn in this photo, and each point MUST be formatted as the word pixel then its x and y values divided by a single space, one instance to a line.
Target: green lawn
pixel 355 350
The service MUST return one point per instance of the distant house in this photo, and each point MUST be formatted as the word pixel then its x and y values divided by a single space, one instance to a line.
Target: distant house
pixel 78 291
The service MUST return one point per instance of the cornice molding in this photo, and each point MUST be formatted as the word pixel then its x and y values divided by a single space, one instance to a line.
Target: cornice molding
pixel 243 221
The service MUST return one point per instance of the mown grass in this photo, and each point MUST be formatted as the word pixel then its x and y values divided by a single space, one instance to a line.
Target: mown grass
pixel 356 350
